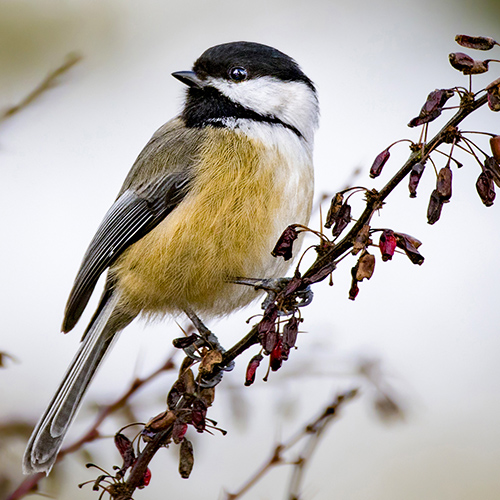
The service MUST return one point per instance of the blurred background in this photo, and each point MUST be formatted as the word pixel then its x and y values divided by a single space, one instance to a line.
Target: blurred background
pixel 433 329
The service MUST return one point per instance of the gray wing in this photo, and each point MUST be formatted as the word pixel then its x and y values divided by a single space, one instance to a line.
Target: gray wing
pixel 136 212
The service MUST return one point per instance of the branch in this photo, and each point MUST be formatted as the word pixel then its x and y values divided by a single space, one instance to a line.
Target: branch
pixel 47 83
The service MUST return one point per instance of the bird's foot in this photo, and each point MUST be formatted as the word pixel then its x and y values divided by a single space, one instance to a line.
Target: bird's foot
pixel 207 339
pixel 273 286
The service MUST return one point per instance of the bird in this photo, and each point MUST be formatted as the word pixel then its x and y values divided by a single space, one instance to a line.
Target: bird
pixel 203 205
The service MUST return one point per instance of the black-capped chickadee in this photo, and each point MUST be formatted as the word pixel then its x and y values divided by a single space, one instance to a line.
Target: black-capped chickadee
pixel 204 203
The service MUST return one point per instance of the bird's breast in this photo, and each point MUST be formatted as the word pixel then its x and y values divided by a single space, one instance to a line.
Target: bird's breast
pixel 244 193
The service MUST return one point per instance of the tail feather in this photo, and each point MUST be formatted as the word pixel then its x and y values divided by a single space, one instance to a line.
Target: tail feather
pixel 47 438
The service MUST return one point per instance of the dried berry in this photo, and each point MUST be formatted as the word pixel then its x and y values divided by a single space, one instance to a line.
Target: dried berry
pixel 343 219
pixel 276 356
pixel 415 175
pixel 493 90
pixel 495 148
pixel 186 458
pixel 468 66
pixel 387 244
pixel 475 42
pixel 145 480
pixel 333 212
pixel 485 188
pixel 252 369
pixel 434 208
pixel 443 184
pixel 284 246
pixel 379 163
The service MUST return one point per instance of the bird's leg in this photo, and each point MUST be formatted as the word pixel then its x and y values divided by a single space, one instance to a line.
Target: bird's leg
pixel 273 286
pixel 206 338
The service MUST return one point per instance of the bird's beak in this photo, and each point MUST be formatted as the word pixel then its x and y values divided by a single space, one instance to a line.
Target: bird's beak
pixel 189 78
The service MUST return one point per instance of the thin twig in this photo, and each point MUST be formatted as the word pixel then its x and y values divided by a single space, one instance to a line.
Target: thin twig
pixel 93 433
pixel 313 430
pixel 48 82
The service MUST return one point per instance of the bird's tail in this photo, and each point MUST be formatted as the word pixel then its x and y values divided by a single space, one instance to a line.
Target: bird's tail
pixel 46 440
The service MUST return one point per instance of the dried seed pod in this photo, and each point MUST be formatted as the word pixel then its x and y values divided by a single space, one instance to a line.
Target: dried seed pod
pixel 468 66
pixel 161 421
pixel 493 90
pixel 379 163
pixel 343 219
pixel 495 147
pixel 252 369
pixel 186 458
pixel 409 245
pixel 124 446
pixel 475 42
pixel 198 414
pixel 434 208
pixel 415 175
pixel 485 188
pixel 267 328
pixel 491 165
pixel 387 244
pixel 354 290
pixel 290 331
pixel 443 184
pixel 179 430
pixel 432 107
pixel 334 210
pixel 284 246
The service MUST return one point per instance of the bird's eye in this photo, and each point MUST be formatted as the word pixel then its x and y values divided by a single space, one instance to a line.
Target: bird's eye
pixel 238 74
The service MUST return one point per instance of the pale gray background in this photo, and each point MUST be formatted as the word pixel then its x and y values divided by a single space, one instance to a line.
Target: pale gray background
pixel 435 327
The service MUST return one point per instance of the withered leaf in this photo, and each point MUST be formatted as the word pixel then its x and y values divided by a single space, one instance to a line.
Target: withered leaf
pixel 334 210
pixel 475 42
pixel 379 163
pixel 209 360
pixel 186 458
pixel 365 266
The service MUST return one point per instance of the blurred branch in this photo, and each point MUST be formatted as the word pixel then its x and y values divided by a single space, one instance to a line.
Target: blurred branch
pixel 31 482
pixel 312 433
pixel 47 83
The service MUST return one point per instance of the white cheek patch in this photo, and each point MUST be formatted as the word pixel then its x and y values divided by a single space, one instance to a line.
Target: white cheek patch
pixel 294 103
